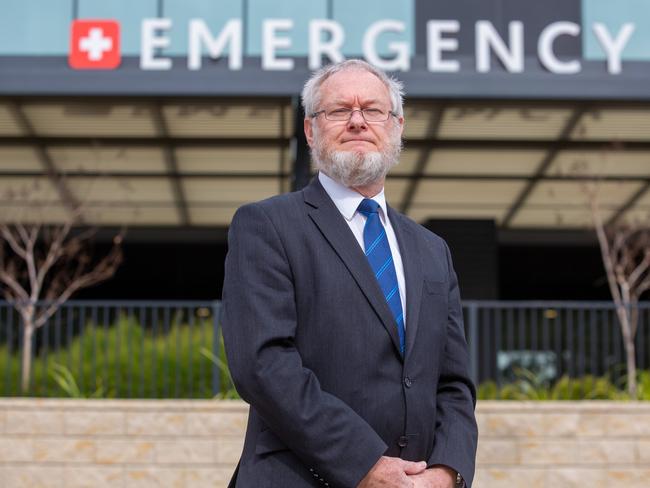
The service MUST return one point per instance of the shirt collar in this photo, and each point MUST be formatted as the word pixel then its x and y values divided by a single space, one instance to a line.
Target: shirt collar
pixel 347 200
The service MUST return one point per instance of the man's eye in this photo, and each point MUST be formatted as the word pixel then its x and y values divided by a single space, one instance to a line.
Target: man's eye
pixel 373 111
pixel 340 111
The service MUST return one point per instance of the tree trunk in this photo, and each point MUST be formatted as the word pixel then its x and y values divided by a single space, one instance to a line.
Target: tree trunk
pixel 630 352
pixel 28 332
pixel 623 312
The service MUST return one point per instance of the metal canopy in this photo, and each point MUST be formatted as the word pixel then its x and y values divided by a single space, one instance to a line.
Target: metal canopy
pixel 193 162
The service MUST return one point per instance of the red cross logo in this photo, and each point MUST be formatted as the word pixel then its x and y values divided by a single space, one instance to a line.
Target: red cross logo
pixel 95 44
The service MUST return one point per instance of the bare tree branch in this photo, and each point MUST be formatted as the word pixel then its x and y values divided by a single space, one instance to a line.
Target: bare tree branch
pixel 604 249
pixel 11 282
pixel 23 234
pixel 11 240
pixel 643 286
pixel 638 272
pixel 54 253
pixel 101 272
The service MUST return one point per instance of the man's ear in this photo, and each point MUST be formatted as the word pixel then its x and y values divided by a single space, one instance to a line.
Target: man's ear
pixel 309 130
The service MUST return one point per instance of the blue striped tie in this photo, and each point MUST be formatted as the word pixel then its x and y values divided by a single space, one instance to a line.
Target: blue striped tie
pixel 378 253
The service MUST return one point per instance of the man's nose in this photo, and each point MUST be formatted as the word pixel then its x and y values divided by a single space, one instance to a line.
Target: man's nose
pixel 356 119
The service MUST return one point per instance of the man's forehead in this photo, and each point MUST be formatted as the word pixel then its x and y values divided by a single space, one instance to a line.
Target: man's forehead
pixel 349 76
pixel 338 100
pixel 347 86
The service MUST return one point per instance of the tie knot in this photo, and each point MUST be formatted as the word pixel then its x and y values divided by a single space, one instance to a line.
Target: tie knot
pixel 368 206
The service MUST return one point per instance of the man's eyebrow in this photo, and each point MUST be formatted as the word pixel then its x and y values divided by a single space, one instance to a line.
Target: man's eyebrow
pixel 341 101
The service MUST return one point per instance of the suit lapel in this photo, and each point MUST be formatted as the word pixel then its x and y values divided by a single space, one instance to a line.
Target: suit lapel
pixel 413 277
pixel 332 225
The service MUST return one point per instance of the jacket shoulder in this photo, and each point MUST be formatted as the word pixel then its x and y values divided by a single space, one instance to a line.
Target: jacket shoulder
pixel 276 206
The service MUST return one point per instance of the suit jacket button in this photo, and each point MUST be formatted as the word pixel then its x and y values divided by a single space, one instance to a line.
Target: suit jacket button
pixel 403 441
pixel 408 382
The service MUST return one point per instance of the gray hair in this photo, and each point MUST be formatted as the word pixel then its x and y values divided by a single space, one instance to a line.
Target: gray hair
pixel 311 90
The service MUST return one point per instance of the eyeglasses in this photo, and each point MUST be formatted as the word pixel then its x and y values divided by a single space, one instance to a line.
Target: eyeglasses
pixel 344 114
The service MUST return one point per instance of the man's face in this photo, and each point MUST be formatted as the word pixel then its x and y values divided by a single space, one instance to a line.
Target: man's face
pixel 361 146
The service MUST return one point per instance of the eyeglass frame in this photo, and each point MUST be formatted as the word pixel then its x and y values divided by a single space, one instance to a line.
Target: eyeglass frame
pixel 360 110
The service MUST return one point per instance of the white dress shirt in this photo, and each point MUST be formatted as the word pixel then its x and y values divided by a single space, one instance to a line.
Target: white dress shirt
pixel 347 201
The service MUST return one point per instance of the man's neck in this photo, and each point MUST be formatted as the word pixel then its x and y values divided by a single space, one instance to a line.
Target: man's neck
pixel 368 191
pixel 371 189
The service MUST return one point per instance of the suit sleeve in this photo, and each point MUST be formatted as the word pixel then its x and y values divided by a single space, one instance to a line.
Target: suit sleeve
pixel 259 325
pixel 456 431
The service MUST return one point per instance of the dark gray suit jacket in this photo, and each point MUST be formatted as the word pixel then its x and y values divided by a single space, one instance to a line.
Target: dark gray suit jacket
pixel 313 347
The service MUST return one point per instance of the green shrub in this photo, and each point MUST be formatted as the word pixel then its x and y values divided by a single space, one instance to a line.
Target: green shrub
pixel 644 385
pixel 125 360
pixel 588 387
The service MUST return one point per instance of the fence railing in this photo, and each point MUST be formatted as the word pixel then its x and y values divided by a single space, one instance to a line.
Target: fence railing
pixel 173 349
pixel 550 339
pixel 122 349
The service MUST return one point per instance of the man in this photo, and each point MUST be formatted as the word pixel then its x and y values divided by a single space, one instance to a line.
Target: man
pixel 342 317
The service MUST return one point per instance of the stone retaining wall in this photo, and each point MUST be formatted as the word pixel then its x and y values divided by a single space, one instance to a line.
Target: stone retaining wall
pixel 563 444
pixel 177 444
pixel 119 443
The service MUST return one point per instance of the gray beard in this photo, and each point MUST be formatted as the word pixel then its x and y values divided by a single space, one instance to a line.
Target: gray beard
pixel 354 169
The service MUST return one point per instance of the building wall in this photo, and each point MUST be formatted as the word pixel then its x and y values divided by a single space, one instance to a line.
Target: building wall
pixel 172 443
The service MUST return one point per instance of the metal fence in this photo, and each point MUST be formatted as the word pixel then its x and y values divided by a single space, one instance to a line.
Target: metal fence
pixel 550 339
pixel 166 349
pixel 122 349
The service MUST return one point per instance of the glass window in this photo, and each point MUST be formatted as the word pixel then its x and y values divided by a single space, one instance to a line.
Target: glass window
pixel 127 12
pixel 614 15
pixel 34 27
pixel 356 17
pixel 215 15
pixel 299 11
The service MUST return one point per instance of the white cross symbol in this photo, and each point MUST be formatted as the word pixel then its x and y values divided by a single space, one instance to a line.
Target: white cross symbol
pixel 95 44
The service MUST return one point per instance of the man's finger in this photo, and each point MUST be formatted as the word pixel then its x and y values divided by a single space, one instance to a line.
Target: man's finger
pixel 412 468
